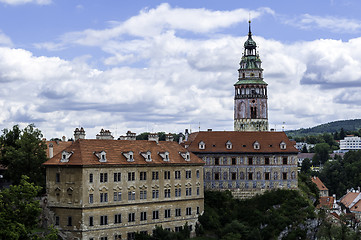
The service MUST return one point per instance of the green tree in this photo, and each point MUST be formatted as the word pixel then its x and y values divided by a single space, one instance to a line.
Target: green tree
pixel 23 151
pixel 19 210
pixel 342 133
pixel 321 153
pixel 304 149
pixel 306 166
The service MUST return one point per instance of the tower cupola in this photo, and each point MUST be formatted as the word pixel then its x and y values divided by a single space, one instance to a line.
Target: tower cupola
pixel 250 102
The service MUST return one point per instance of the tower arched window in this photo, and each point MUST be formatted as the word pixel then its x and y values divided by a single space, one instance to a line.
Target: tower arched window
pixel 253 112
pixel 243 75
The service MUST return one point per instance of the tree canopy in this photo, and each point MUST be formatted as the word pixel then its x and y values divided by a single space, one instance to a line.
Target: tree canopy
pixel 23 152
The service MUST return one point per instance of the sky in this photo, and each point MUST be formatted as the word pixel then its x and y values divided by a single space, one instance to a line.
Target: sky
pixel 150 66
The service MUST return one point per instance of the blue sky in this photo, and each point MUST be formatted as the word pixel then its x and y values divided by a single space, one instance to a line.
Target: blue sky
pixel 167 66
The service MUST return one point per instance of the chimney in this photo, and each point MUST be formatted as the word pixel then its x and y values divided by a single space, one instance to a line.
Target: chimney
pixel 79 133
pixel 51 150
pixel 209 130
pixel 104 135
pixel 169 137
pixel 186 134
pixel 153 137
pixel 131 136
pixel 63 138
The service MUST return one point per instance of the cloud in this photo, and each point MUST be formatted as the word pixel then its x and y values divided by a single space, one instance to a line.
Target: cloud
pixel 154 22
pixel 330 23
pixel 168 81
pixel 5 40
pixel 21 2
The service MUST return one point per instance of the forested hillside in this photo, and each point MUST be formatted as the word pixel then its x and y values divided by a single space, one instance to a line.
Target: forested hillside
pixel 331 127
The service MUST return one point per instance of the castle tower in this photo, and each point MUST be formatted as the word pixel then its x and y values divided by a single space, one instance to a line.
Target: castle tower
pixel 250 100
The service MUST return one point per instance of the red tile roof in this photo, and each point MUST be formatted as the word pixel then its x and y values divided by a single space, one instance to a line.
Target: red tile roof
pixel 58 146
pixel 215 141
pixel 319 183
pixel 84 153
pixel 356 207
pixel 349 198
pixel 326 202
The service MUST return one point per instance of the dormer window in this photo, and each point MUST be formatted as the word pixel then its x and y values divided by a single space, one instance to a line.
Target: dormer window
pixel 256 145
pixel 165 156
pixel 65 156
pixel 185 155
pixel 228 145
pixel 201 145
pixel 129 156
pixel 147 156
pixel 283 145
pixel 102 156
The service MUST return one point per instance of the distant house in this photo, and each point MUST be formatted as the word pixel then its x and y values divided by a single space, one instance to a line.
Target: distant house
pixel 321 187
pixel 327 202
pixel 303 156
pixel 299 146
pixel 350 142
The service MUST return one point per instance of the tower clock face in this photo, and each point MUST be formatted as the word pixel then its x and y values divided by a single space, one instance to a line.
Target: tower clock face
pixel 252 74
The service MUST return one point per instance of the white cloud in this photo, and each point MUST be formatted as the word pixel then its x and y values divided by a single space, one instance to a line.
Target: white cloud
pixel 5 40
pixel 330 23
pixel 20 2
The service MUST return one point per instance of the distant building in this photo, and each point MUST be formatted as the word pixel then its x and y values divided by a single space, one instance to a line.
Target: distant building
pixel 303 156
pixel 300 145
pixel 321 187
pixel 246 163
pixel 350 142
pixel 111 189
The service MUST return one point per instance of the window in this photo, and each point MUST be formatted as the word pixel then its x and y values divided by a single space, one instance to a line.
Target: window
pixel 117 237
pixel 284 160
pixel 70 221
pixel 155 194
pixel 57 220
pixel 250 161
pixel 91 198
pixel 188 174
pixel 177 212
pixel 131 236
pixel 155 175
pixel 177 175
pixel 143 216
pixel 216 176
pixel 103 197
pixel 90 177
pixel 228 145
pixel 256 145
pixel 250 176
pixel 283 145
pixel 143 194
pixel 177 192
pixel 197 173
pixel 167 213
pixel 103 220
pixel 234 176
pixel 188 211
pixel 143 232
pixel 117 218
pixel 266 160
pixel 166 175
pixel 216 161
pixel 117 196
pixel 188 191
pixel 143 176
pixel 201 145
pixel 178 229
pixel 131 195
pixel 103 238
pixel 131 217
pixel 156 214
pixel 57 177
pixel 131 176
pixel 284 176
pixel 267 176
pixel 197 210
pixel 234 162
pixel 91 221
pixel 103 177
pixel 166 193
pixel 197 191
pixel 117 177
